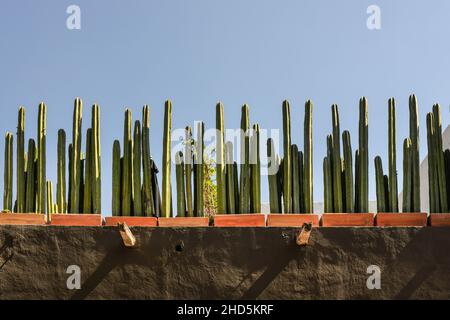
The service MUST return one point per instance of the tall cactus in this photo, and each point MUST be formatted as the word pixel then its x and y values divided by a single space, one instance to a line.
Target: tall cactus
pixel 381 192
pixel 127 182
pixel 61 177
pixel 75 177
pixel 179 171
pixel 301 177
pixel 392 151
pixel 274 192
pixel 244 181
pixel 230 183
pixel 439 158
pixel 8 173
pixel 41 172
pixel 363 156
pixel 328 186
pixel 407 176
pixel 116 180
pixel 31 177
pixel 21 160
pixel 447 171
pixel 255 171
pixel 287 161
pixel 88 174
pixel 188 170
pixel 348 172
pixel 220 160
pixel 433 181
pixel 199 170
pixel 50 204
pixel 95 161
pixel 336 162
pixel 167 189
pixel 137 199
pixel 295 179
pixel 148 196
pixel 415 159
pixel 308 159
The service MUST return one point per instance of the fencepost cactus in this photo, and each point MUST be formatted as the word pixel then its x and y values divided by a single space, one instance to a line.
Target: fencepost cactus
pixel 328 187
pixel 75 178
pixel 255 171
pixel 21 160
pixel 31 177
pixel 295 179
pixel 188 170
pixel 50 205
pixel 166 161
pixel 301 177
pixel 148 196
pixel 287 161
pixel 116 180
pixel 336 162
pixel 363 184
pixel 199 170
pixel 380 189
pixel 179 171
pixel 137 195
pixel 392 153
pixel 61 176
pixel 439 159
pixel 407 176
pixel 348 172
pixel 220 160
pixel 8 173
pixel 433 181
pixel 87 191
pixel 415 156
pixel 127 182
pixel 95 161
pixel 230 182
pixel 41 172
pixel 244 181
pixel 308 160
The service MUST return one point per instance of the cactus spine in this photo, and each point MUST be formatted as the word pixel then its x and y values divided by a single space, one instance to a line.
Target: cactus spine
pixel 61 176
pixel 41 173
pixel 137 199
pixel 179 171
pixel 363 157
pixel 147 170
pixel 348 172
pixel 21 160
pixel 287 161
pixel 188 170
pixel 8 173
pixel 116 179
pixel 415 157
pixel 220 160
pixel 230 183
pixel 95 161
pixel 127 182
pixel 308 160
pixel 167 192
pixel 392 151
pixel 255 171
pixel 244 181
pixel 336 162
pixel 75 174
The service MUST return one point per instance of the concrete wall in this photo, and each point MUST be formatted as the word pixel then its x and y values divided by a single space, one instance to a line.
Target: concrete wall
pixel 224 263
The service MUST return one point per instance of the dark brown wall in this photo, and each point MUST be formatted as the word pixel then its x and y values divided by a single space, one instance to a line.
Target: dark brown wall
pixel 231 263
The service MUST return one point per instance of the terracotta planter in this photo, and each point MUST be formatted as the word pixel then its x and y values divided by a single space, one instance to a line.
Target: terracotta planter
pixel 240 220
pixel 291 220
pixel 440 219
pixel 416 219
pixel 22 219
pixel 184 222
pixel 347 220
pixel 72 219
pixel 132 221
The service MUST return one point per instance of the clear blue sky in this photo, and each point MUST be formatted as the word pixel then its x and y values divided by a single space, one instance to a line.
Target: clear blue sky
pixel 130 53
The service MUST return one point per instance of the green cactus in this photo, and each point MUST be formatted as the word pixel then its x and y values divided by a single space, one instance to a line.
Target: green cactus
pixel 236 186
pixel 392 151
pixel 433 180
pixel 127 182
pixel 69 194
pixel 199 170
pixel 287 161
pixel 87 190
pixel 75 175
pixel 295 179
pixel 328 187
pixel 336 162
pixel 41 172
pixel 230 183
pixel 255 169
pixel 244 181
pixel 166 183
pixel 357 193
pixel 21 160
pixel 61 177
pixel 50 205
pixel 8 173
pixel 407 176
pixel 179 171
pixel 220 160
pixel 188 170
pixel 148 203
pixel 31 177
pixel 447 171
pixel 439 160
pixel 348 170
pixel 301 178
pixel 363 184
pixel 137 198
pixel 95 161
pixel 82 180
pixel 116 180
pixel 381 192
pixel 308 160
pixel 415 157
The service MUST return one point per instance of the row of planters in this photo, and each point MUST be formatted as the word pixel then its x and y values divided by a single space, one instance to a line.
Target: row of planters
pixel 237 193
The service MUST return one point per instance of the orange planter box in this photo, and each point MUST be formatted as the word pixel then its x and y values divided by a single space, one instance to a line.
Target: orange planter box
pixel 416 219
pixel 72 219
pixel 347 220
pixel 291 220
pixel 240 220
pixel 440 219
pixel 22 219
pixel 132 221
pixel 184 222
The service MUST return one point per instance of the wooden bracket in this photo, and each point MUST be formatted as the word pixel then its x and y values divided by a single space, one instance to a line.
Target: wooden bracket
pixel 304 234
pixel 128 238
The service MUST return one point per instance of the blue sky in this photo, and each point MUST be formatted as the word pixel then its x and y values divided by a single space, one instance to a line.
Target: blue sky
pixel 130 53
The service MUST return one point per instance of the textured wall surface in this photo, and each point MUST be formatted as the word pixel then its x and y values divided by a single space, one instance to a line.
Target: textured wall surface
pixel 231 263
